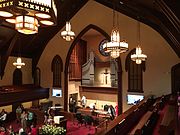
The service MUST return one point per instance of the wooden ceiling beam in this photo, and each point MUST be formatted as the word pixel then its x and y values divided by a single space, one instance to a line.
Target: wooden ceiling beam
pixel 4 58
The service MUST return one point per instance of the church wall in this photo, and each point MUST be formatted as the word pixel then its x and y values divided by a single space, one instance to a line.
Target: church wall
pixel 156 78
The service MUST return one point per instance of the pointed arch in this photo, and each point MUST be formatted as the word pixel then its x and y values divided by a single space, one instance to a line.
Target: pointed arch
pixel 175 78
pixel 57 68
pixel 17 77
pixel 90 26
pixel 135 73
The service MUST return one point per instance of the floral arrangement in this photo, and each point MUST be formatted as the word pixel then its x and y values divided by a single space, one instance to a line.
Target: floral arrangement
pixel 52 130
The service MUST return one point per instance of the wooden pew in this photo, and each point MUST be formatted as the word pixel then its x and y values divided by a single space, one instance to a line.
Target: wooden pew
pixel 168 122
pixel 142 122
pixel 126 121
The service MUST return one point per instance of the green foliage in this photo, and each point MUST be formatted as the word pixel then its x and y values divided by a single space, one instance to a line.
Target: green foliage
pixel 53 130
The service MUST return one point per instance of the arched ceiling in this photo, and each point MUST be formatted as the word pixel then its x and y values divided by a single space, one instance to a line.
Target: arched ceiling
pixel 162 15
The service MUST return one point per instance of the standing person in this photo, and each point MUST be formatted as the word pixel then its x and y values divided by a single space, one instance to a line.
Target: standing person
pixel 11 130
pixel 111 111
pixel 46 116
pixel 83 101
pixel 116 110
pixel 18 113
pixel 71 104
pixel 30 118
pixel 3 117
pixel 33 130
pixel 24 120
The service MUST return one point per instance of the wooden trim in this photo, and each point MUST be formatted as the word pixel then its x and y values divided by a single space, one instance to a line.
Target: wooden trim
pixel 102 64
pixel 169 14
pixel 121 118
pixel 14 94
pixel 119 73
pixel 105 90
pixel 5 57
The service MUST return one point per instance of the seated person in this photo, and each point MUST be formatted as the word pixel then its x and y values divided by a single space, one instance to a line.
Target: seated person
pixel 92 106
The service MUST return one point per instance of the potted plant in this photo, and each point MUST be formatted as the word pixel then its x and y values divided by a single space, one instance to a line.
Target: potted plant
pixel 52 130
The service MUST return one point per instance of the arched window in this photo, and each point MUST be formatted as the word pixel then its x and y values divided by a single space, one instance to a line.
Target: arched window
pixel 135 74
pixel 17 77
pixel 37 76
pixel 57 68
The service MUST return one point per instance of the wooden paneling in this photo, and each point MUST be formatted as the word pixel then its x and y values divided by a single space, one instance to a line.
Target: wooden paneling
pixel 107 90
pixel 77 59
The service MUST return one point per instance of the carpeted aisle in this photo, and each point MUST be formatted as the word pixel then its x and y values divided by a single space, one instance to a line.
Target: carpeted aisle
pixel 74 129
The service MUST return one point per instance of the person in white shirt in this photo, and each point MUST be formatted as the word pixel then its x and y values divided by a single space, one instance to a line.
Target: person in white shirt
pixel 21 130
pixel 92 106
pixel 83 101
pixel 111 111
pixel 3 116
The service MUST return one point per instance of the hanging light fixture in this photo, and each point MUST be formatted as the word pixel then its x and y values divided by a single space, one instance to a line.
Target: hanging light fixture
pixel 67 34
pixel 28 15
pixel 138 57
pixel 115 47
pixel 19 63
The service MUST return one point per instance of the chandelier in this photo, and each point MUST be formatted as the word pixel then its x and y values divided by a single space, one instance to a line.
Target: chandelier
pixel 19 63
pixel 67 34
pixel 138 57
pixel 115 47
pixel 28 15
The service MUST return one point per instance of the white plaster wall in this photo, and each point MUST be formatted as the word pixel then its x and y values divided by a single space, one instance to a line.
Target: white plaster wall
pixel 157 77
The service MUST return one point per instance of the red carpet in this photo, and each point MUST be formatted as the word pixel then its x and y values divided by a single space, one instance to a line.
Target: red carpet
pixel 73 129
pixel 161 114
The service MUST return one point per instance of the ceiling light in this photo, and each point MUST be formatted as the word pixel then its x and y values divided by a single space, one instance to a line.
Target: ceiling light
pixel 115 46
pixel 26 24
pixel 5 14
pixel 46 22
pixel 138 57
pixel 19 63
pixel 68 35
pixel 40 15
pixel 12 20
pixel 28 14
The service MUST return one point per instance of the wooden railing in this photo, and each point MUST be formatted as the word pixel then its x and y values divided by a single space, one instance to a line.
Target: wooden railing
pixel 24 93
pixel 127 119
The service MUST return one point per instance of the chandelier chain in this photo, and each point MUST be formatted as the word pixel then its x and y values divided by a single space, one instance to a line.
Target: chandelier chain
pixel 138 34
